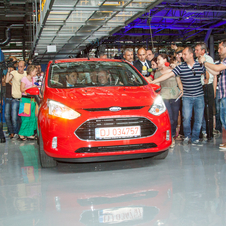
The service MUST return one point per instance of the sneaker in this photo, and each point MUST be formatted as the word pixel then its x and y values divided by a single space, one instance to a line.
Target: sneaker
pixel 210 139
pixel 178 138
pixel 223 148
pixel 173 143
pixel 2 140
pixel 186 141
pixel 215 132
pixel 222 144
pixel 11 135
pixel 197 143
pixel 204 135
pixel 15 135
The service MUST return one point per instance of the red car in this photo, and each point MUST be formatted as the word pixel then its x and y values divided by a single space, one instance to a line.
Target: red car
pixel 99 110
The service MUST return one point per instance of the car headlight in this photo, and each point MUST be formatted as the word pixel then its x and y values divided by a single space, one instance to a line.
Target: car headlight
pixel 59 110
pixel 158 107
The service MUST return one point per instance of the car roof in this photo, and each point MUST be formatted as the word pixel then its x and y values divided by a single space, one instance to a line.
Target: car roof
pixel 86 59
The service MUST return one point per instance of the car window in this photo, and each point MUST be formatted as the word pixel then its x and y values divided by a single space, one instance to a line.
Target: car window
pixel 93 73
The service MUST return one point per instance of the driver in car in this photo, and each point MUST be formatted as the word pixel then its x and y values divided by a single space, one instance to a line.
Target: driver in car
pixel 93 77
pixel 71 79
pixel 55 79
pixel 103 78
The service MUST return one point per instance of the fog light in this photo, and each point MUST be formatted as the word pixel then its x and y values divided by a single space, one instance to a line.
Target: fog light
pixel 167 134
pixel 54 142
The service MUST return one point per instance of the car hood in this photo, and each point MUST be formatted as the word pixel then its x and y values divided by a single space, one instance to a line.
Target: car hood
pixel 96 97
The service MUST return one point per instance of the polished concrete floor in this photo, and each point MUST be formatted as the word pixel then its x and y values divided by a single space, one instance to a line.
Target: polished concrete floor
pixel 188 188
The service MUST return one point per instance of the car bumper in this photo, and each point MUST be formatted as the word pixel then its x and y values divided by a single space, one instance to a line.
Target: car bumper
pixel 70 146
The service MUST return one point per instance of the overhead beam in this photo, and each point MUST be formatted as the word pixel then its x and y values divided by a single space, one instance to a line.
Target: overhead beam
pixel 181 17
pixel 175 27
pixel 142 34
pixel 208 35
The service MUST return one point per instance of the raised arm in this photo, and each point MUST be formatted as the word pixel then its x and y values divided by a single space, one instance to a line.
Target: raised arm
pixel 163 77
pixel 212 72
pixel 9 75
pixel 214 67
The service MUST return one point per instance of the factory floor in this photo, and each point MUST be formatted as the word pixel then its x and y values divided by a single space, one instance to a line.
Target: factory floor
pixel 188 188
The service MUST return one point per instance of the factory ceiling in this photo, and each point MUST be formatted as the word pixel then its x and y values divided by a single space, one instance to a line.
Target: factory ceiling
pixel 54 29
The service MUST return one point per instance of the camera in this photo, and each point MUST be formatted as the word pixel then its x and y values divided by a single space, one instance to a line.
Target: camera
pixel 6 64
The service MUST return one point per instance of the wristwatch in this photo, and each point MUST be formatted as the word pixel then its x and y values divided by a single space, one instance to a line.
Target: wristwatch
pixel 204 62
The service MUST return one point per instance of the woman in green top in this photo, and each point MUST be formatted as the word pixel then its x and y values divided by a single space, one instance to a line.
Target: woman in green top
pixel 169 91
pixel 28 124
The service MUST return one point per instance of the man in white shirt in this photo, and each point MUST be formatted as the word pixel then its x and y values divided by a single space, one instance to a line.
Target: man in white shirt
pixel 207 125
pixel 141 62
pixel 15 77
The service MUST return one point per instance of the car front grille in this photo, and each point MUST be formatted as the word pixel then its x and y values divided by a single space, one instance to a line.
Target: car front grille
pixel 87 130
pixel 108 109
pixel 117 148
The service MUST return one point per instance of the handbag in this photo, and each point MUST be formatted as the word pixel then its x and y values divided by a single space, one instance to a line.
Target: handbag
pixel 24 109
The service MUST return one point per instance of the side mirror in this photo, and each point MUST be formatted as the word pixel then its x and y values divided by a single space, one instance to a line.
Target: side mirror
pixel 156 88
pixel 33 91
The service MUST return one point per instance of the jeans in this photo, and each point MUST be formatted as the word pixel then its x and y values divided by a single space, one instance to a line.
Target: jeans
pixel 1 131
pixel 8 115
pixel 189 104
pixel 15 103
pixel 223 112
pixel 1 124
pixel 207 125
pixel 217 104
pixel 173 110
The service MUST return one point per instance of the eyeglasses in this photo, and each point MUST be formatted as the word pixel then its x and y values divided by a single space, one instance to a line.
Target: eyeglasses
pixel 193 71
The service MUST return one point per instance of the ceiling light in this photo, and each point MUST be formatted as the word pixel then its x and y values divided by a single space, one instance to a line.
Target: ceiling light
pixel 14 15
pixel 12 51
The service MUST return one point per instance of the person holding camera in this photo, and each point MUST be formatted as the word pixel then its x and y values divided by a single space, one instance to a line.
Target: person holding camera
pixel 14 77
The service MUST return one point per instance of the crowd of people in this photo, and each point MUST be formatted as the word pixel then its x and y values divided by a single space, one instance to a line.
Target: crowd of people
pixel 192 86
pixel 19 108
pixel 191 74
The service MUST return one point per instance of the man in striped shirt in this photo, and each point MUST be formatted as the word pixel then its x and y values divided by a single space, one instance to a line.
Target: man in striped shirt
pixel 193 97
pixel 207 82
pixel 215 69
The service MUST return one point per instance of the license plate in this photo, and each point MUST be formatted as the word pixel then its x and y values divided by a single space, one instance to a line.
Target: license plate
pixel 117 132
pixel 120 215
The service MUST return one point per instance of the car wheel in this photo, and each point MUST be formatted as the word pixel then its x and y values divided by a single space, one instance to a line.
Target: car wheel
pixel 46 161
pixel 162 155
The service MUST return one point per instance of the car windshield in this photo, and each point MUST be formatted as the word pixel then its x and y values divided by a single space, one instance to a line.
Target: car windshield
pixel 93 73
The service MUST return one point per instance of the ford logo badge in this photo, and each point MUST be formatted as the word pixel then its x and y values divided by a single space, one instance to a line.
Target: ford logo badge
pixel 115 109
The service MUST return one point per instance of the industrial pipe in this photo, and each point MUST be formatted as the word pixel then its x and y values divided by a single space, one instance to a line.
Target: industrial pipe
pixel 8 38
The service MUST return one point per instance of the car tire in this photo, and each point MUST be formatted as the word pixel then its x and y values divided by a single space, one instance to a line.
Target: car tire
pixel 163 155
pixel 45 160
